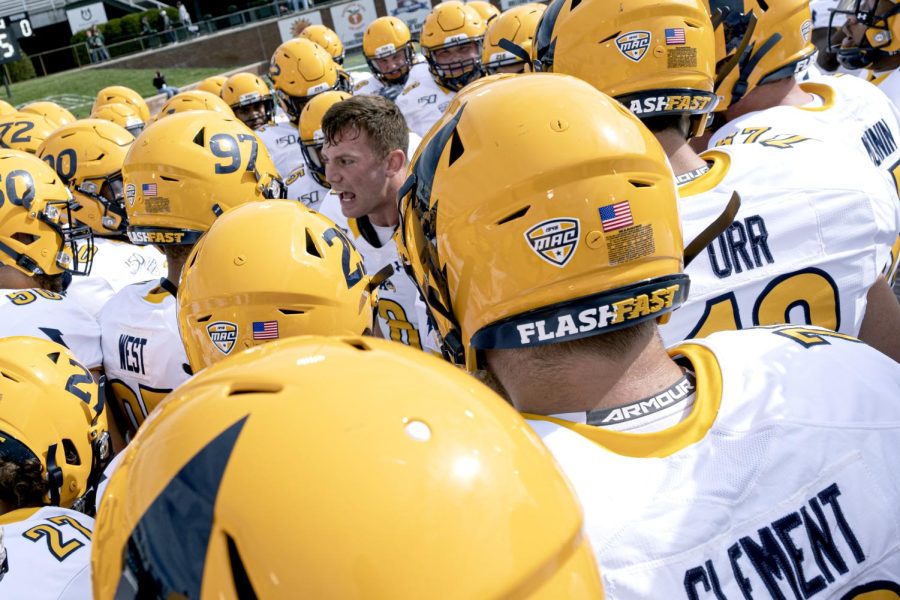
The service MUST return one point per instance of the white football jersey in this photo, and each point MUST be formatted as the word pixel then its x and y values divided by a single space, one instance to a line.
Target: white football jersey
pixel 853 113
pixel 889 83
pixel 49 554
pixel 143 355
pixel 282 140
pixel 779 483
pixel 56 317
pixel 398 317
pixel 303 187
pixel 804 248
pixel 116 264
pixel 422 101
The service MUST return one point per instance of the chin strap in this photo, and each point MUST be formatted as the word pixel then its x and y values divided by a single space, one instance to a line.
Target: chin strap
pixel 515 49
pixel 712 231
pixel 54 476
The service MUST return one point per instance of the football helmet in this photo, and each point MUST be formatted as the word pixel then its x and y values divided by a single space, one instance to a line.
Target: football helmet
pixel 300 69
pixel 311 137
pixel 453 25
pixel 88 156
pixel 881 38
pixel 38 231
pixel 52 111
pixel 120 93
pixel 6 108
pixel 384 37
pixel 487 11
pixel 213 85
pixel 656 58
pixel 24 131
pixel 326 38
pixel 250 98
pixel 580 237
pixel 187 169
pixel 518 25
pixel 123 115
pixel 52 412
pixel 763 42
pixel 193 100
pixel 396 483
pixel 268 270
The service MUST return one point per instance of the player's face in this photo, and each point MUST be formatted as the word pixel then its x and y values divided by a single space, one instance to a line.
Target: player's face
pixel 253 115
pixel 393 64
pixel 356 173
pixel 455 59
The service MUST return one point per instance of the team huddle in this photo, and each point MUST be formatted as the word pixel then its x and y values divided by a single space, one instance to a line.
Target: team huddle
pixel 584 300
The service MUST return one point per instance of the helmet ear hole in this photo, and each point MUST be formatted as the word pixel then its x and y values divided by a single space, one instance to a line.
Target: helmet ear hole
pixel 24 238
pixel 311 247
pixel 70 452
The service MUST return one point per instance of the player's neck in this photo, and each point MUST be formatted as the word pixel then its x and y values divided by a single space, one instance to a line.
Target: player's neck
pixel 889 63
pixel 582 381
pixel 12 279
pixel 387 214
pixel 784 92
pixel 175 264
pixel 682 157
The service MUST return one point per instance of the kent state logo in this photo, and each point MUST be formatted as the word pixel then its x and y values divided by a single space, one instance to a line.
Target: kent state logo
pixel 130 193
pixel 634 44
pixel 554 240
pixel 223 335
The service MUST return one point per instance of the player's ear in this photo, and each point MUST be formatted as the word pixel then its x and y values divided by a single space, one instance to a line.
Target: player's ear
pixel 396 161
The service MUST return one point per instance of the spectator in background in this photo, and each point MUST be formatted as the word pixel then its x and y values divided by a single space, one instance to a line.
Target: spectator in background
pixel 166 27
pixel 183 15
pixel 95 40
pixel 146 28
pixel 159 82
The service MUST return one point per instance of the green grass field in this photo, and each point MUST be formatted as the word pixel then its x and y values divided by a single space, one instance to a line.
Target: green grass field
pixel 76 89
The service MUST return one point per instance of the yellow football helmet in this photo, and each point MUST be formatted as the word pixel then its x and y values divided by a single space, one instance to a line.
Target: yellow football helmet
pixel 487 11
pixel 213 85
pixel 52 412
pixel 763 41
pixel 300 69
pixel 120 93
pixel 881 19
pixel 53 112
pixel 246 93
pixel 88 156
pixel 384 37
pixel 311 137
pixel 194 100
pixel 24 131
pixel 326 38
pixel 187 169
pixel 397 483
pixel 6 108
pixel 518 25
pixel 451 24
pixel 656 58
pixel 580 236
pixel 38 231
pixel 240 289
pixel 124 115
